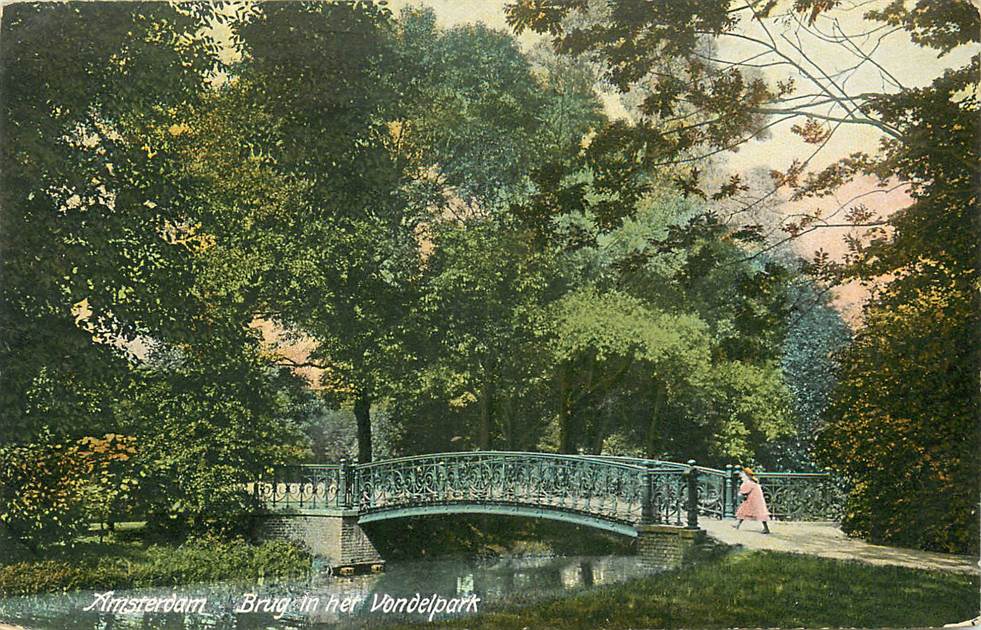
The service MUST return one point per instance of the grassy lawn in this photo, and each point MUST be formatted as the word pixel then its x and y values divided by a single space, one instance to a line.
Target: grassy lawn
pixel 126 559
pixel 758 589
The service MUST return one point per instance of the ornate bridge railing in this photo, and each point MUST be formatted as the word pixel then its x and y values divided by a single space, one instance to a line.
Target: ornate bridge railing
pixel 305 487
pixel 616 490
pixel 803 496
pixel 609 490
pixel 790 496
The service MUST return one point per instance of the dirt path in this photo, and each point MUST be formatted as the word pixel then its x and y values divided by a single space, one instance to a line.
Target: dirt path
pixel 827 541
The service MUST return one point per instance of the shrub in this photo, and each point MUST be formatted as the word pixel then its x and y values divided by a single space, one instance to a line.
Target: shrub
pixel 903 426
pixel 113 478
pixel 195 561
pixel 41 491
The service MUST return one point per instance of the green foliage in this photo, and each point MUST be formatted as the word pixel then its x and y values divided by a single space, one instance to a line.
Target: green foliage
pixel 815 335
pixel 655 334
pixel 346 252
pixel 478 116
pixel 691 107
pixel 198 560
pixel 82 250
pixel 114 482
pixel 620 325
pixel 673 347
pixel 475 119
pixel 481 373
pixel 903 430
pixel 753 408
pixel 230 425
pixel 40 491
pixel 122 176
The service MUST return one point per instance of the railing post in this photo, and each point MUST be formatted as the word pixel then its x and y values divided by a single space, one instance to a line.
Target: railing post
pixel 275 487
pixel 647 516
pixel 692 495
pixel 734 494
pixel 342 489
pixel 727 492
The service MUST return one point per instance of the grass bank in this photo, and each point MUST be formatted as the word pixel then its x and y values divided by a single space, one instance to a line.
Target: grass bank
pixel 127 560
pixel 758 589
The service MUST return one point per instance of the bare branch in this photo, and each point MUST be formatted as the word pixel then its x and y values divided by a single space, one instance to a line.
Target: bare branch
pixel 291 363
pixel 824 224
pixel 729 146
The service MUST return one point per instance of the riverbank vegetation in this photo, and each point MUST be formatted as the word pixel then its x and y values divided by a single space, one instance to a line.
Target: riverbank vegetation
pixel 134 555
pixel 757 590
pixel 131 558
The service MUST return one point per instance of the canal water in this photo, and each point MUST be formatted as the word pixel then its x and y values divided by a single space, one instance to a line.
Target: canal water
pixel 325 600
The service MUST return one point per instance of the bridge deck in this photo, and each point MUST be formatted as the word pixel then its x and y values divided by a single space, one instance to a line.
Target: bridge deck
pixel 828 541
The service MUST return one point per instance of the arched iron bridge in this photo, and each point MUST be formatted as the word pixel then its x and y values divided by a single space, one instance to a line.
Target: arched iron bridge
pixel 609 493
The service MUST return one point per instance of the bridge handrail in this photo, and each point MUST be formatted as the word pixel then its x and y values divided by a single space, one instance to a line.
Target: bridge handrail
pixel 662 462
pixel 327 465
pixel 620 459
pixel 491 454
pixel 639 461
pixel 303 486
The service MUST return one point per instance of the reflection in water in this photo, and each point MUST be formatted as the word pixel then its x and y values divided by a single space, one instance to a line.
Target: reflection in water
pixel 503 581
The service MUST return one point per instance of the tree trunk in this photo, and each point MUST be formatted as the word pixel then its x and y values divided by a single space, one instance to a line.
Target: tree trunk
pixel 362 413
pixel 586 570
pixel 483 431
pixel 650 447
pixel 507 423
pixel 566 444
pixel 599 432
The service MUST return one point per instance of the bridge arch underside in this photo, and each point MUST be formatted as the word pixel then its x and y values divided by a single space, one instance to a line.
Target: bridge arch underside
pixel 507 509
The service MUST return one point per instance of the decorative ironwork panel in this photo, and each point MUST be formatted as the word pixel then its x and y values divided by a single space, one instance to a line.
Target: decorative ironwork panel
pixel 669 495
pixel 299 487
pixel 711 492
pixel 609 490
pixel 802 496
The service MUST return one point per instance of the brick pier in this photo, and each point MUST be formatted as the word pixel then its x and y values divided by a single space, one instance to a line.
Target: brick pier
pixel 666 546
pixel 334 535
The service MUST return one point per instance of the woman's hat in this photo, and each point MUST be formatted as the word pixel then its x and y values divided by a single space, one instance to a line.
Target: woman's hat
pixel 749 473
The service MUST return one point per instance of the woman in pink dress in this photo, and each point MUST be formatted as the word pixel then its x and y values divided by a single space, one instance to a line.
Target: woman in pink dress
pixel 754 505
